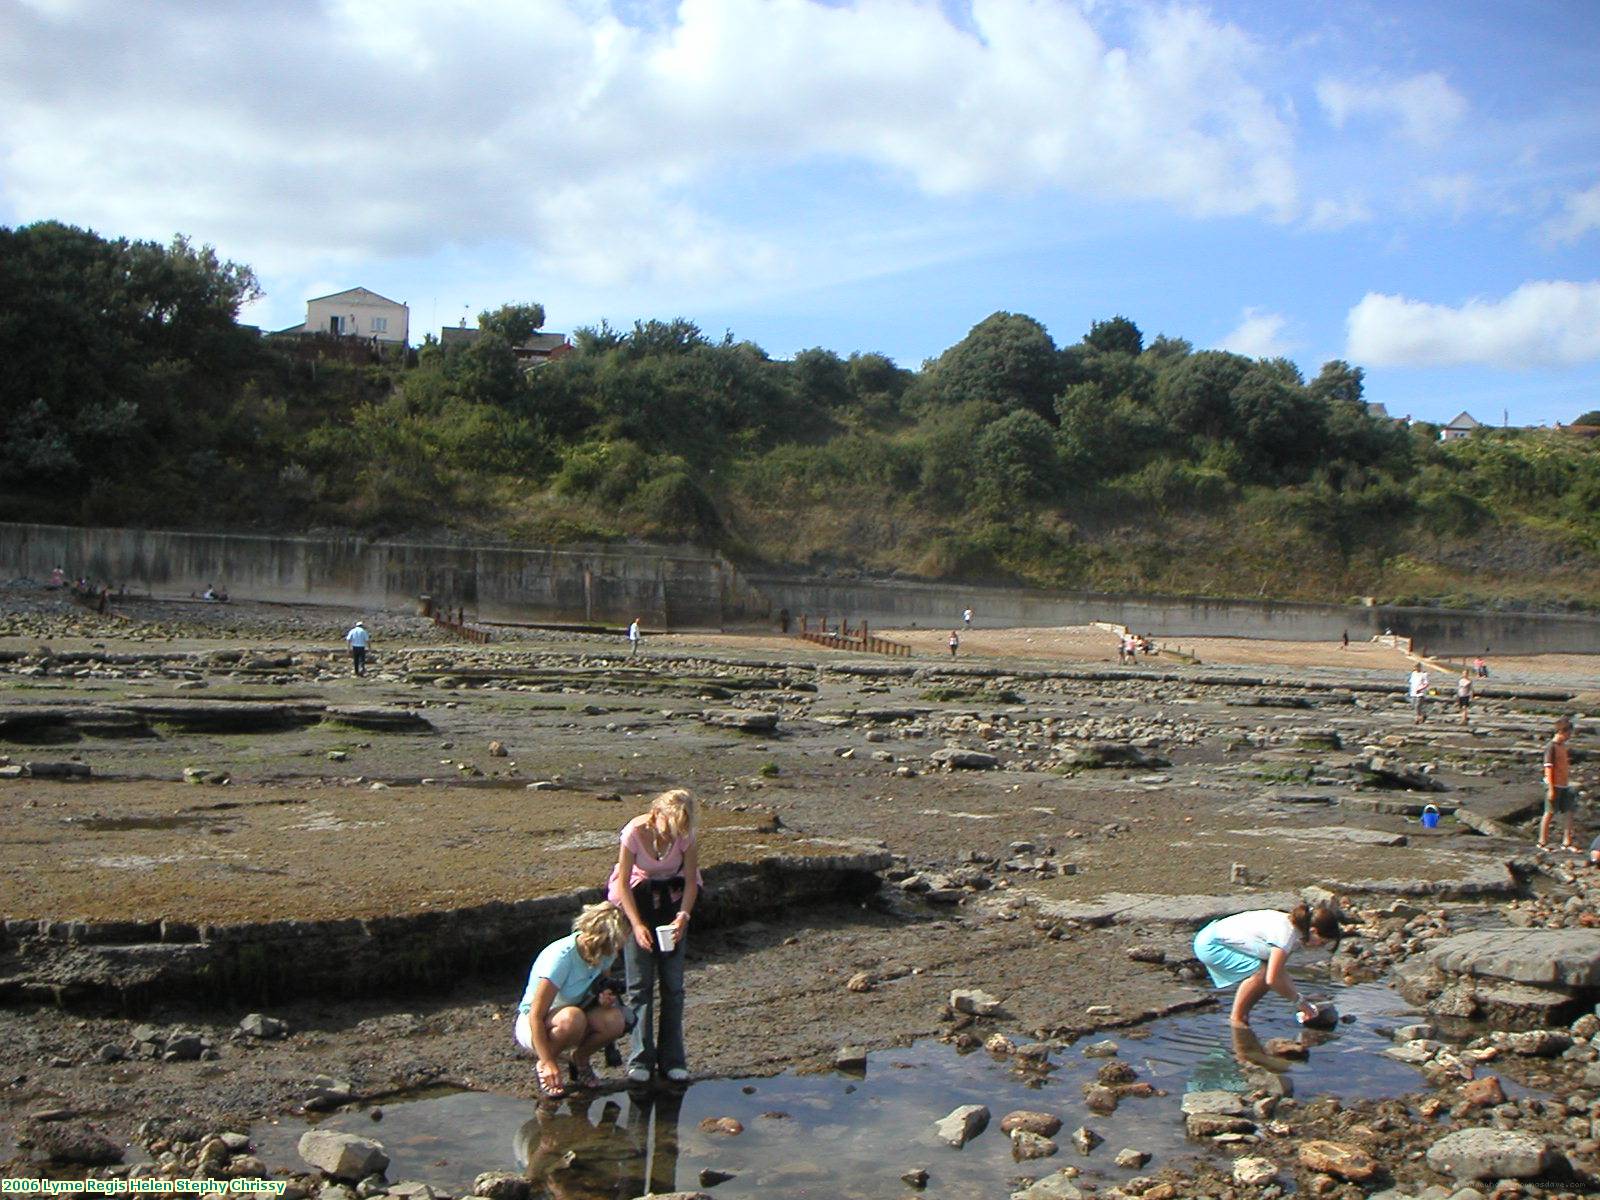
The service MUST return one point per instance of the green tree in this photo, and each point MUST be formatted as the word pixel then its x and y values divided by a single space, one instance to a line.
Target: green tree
pixel 1014 462
pixel 1196 394
pixel 1007 359
pixel 118 354
pixel 513 323
pixel 1337 382
pixel 822 378
pixel 1116 336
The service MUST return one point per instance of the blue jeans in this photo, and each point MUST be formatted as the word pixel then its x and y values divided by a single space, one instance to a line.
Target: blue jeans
pixel 645 968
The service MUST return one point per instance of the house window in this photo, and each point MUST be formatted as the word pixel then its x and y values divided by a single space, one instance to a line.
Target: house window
pixel 380 324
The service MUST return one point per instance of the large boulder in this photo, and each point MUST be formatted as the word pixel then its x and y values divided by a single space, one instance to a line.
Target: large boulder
pixel 342 1155
pixel 1562 958
pixel 1114 754
pixel 1514 979
pixel 1490 1154
pixel 966 760
pixel 744 720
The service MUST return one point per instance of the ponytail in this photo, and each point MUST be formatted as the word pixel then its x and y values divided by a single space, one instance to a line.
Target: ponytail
pixel 1324 919
pixel 1300 918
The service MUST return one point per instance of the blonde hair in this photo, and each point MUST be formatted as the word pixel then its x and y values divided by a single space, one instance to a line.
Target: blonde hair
pixel 677 809
pixel 602 926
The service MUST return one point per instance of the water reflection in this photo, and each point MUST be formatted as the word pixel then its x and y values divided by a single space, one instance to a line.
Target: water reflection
pixel 629 1148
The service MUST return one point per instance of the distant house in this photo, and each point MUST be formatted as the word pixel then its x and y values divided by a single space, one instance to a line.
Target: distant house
pixel 356 313
pixel 1464 424
pixel 540 348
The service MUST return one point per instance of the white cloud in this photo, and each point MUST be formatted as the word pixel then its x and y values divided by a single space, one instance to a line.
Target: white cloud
pixel 1328 214
pixel 302 136
pixel 1457 192
pixel 1424 108
pixel 1541 324
pixel 1580 214
pixel 1259 334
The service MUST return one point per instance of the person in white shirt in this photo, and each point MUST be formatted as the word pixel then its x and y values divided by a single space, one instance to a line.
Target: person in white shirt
pixel 966 617
pixel 1417 690
pixel 633 637
pixel 357 637
pixel 1252 949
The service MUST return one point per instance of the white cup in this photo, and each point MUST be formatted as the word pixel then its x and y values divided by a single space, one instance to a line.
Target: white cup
pixel 666 937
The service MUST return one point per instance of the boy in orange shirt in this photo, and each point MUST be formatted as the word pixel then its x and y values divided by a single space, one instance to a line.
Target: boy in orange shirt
pixel 1560 795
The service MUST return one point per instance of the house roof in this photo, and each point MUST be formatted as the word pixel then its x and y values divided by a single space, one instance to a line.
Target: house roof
pixel 365 293
pixel 1464 420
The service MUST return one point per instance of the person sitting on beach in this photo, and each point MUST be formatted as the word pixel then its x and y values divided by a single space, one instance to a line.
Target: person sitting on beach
pixel 558 1015
pixel 58 578
pixel 1251 950
pixel 656 882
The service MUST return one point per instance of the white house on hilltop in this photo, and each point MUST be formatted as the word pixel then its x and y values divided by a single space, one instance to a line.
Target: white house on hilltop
pixel 357 313
pixel 1464 424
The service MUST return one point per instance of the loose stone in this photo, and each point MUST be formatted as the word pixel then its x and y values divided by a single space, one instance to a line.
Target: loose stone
pixel 962 1125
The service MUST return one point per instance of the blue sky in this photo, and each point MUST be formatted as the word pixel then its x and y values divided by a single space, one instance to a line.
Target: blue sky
pixel 1413 186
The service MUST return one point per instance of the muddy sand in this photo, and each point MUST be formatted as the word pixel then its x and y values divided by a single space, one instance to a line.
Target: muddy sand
pixel 1011 875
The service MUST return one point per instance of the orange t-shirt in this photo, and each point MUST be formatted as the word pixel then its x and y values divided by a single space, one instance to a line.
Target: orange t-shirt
pixel 1557 771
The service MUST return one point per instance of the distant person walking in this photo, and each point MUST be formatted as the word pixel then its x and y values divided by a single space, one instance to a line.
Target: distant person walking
pixel 1481 667
pixel 633 638
pixel 1345 641
pixel 1417 691
pixel 1560 796
pixel 966 618
pixel 955 642
pixel 359 640
pixel 1464 693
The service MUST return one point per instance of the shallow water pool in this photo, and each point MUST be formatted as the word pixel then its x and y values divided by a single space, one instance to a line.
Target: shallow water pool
pixel 838 1135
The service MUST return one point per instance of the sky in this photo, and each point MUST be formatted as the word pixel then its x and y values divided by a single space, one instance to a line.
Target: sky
pixel 1410 185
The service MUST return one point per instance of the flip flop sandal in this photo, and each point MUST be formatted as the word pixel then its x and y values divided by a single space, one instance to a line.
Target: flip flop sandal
pixel 583 1077
pixel 559 1092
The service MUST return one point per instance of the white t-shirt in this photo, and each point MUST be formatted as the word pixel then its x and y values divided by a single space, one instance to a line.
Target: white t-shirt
pixel 1257 933
pixel 633 632
pixel 1418 684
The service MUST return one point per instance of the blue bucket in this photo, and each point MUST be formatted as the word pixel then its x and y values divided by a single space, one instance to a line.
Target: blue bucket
pixel 1430 817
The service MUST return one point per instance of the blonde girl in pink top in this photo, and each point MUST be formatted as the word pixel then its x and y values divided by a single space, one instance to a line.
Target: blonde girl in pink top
pixel 656 882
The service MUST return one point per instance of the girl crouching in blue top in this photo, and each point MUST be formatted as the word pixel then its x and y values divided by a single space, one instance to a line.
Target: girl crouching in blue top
pixel 558 1014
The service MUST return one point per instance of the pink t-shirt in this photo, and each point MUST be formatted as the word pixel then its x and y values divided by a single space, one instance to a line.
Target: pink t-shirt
pixel 636 837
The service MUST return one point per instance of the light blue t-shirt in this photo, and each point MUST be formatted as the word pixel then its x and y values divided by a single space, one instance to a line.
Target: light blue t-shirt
pixel 1256 933
pixel 562 965
pixel 357 637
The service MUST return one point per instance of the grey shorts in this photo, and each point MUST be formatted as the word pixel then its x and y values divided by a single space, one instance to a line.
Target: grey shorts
pixel 1565 800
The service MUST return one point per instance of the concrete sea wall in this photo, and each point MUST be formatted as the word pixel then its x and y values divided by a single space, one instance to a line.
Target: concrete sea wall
pixel 666 586
pixel 682 587
pixel 1438 631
